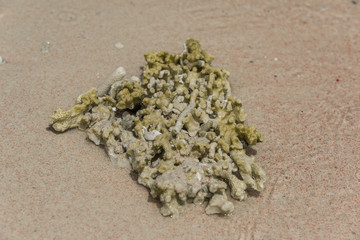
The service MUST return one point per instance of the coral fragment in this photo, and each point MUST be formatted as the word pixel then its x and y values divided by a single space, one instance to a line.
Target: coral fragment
pixel 178 127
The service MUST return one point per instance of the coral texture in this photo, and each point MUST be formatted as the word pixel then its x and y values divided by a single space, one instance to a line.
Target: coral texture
pixel 178 127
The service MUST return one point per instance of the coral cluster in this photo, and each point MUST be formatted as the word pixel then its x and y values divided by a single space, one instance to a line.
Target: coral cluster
pixel 178 127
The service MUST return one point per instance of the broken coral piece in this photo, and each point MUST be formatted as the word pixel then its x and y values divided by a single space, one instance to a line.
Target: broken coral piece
pixel 178 127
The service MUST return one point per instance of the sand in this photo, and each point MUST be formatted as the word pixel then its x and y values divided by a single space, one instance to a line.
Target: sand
pixel 294 64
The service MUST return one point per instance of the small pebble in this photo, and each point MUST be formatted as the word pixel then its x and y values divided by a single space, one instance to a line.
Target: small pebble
pixel 45 47
pixel 119 45
pixel 2 61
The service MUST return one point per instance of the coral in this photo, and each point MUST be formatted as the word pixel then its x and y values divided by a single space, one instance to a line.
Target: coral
pixel 116 76
pixel 63 120
pixel 219 204
pixel 178 127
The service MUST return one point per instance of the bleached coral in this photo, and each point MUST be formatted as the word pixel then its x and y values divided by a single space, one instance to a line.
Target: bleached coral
pixel 178 127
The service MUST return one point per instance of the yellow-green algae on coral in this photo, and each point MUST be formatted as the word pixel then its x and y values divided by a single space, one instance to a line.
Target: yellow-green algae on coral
pixel 178 127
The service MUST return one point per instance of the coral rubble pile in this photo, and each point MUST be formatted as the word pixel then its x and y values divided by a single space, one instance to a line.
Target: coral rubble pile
pixel 178 127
